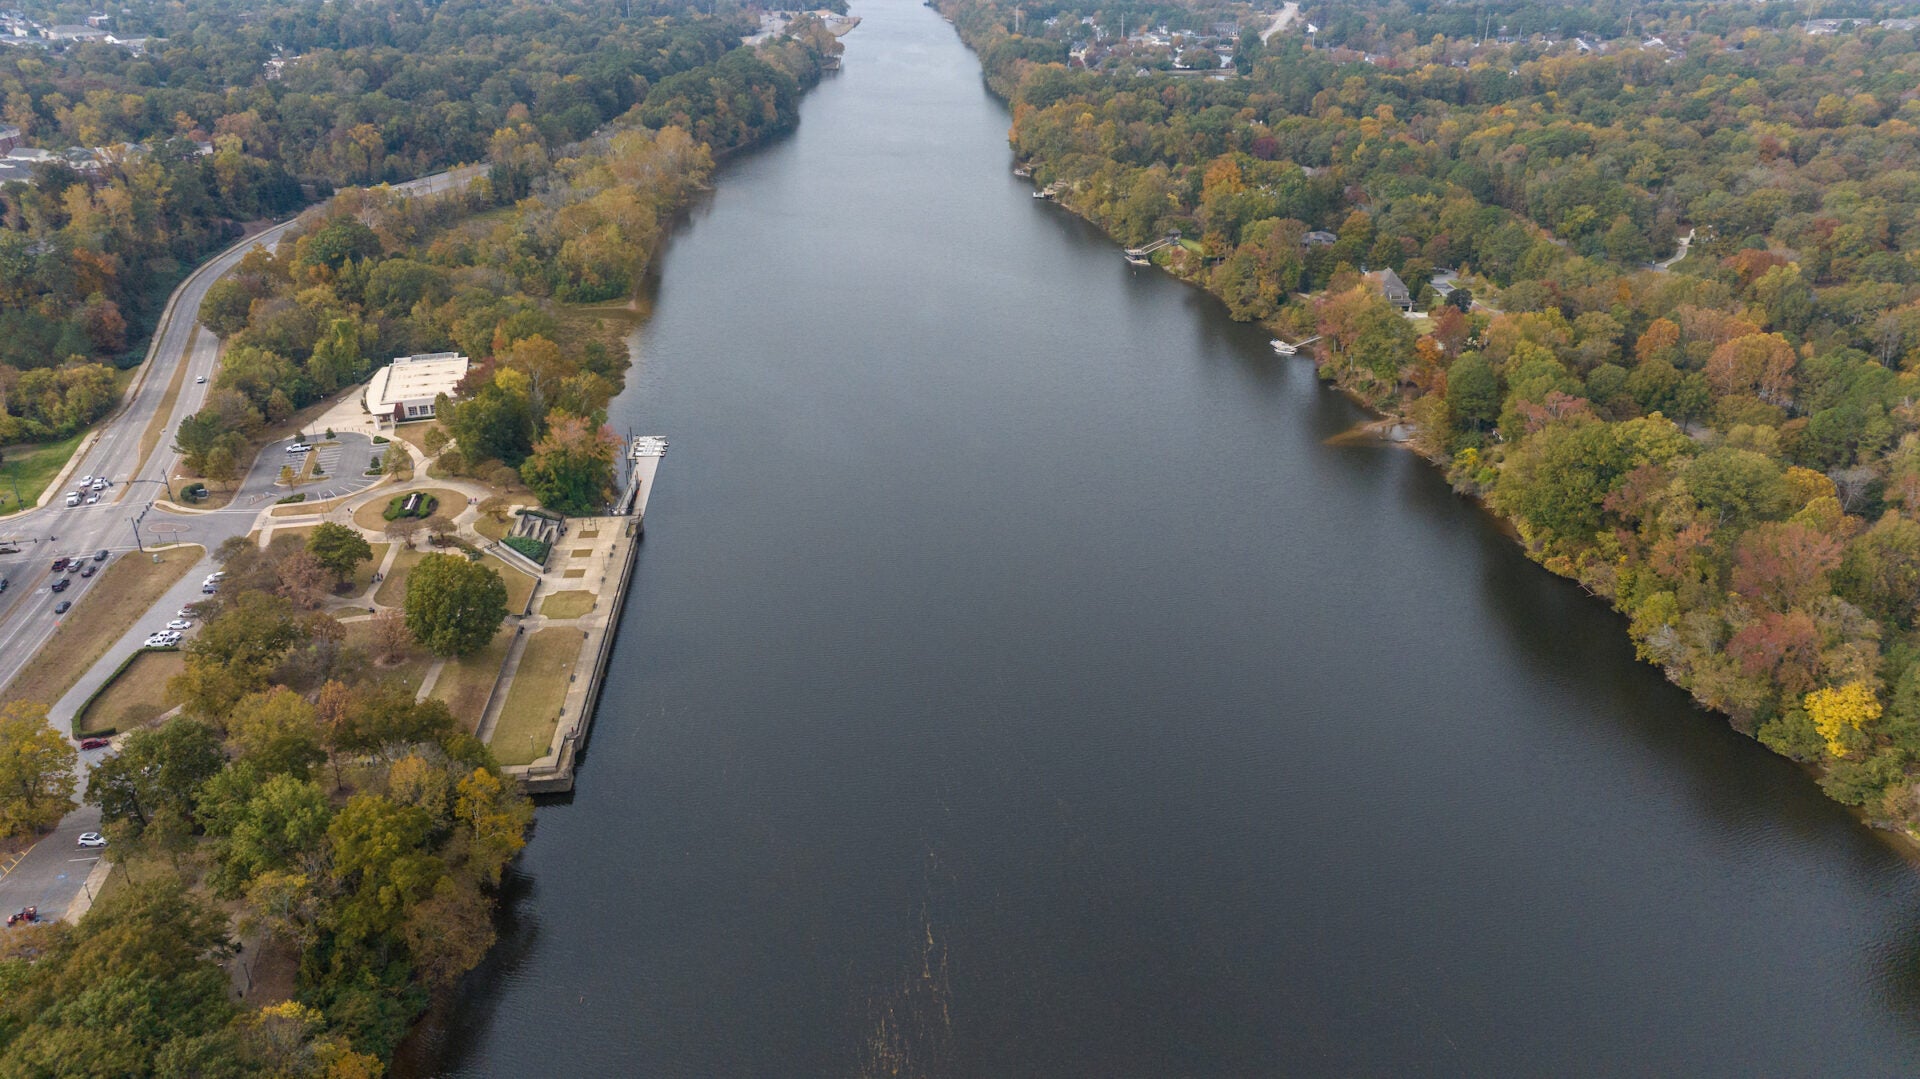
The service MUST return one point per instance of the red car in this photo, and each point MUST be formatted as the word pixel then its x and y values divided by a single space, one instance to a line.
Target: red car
pixel 27 914
pixel 94 743
pixel 59 564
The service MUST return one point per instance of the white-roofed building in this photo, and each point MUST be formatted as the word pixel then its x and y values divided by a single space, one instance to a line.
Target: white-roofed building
pixel 406 388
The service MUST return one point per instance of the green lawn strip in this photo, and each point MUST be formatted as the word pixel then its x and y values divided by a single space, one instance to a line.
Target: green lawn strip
pixel 519 585
pixel 156 428
pixel 141 684
pixel 393 590
pixel 534 697
pixel 569 604
pixel 28 469
pixel 363 573
pixel 465 683
pixel 108 607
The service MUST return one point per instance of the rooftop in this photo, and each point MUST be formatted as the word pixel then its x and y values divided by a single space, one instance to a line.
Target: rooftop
pixel 415 378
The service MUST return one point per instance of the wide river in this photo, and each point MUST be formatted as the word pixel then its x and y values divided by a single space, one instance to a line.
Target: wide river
pixel 1017 682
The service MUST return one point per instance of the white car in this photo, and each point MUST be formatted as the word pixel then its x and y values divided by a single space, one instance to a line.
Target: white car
pixel 179 623
pixel 163 639
pixel 299 447
pixel 93 498
pixel 199 381
pixel 184 612
pixel 217 576
pixel 99 483
pixel 92 840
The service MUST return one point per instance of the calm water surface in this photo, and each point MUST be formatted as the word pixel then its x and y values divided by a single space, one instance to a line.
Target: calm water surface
pixel 1016 684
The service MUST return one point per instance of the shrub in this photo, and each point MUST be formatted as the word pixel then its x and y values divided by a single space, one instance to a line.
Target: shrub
pixel 532 548
pixel 380 440
pixel 291 498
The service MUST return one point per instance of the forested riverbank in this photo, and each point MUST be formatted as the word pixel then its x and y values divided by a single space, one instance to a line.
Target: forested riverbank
pixel 1726 452
pixel 302 800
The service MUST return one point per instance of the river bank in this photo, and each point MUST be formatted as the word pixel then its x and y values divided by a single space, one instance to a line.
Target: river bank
pixel 1498 399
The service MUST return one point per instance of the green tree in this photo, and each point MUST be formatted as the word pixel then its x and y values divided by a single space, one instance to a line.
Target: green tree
pixel 161 767
pixel 339 548
pixel 454 606
pixel 36 770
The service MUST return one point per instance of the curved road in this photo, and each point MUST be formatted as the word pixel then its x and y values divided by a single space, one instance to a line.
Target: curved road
pixel 53 872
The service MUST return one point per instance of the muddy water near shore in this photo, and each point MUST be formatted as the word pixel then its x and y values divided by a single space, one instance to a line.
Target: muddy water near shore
pixel 1015 682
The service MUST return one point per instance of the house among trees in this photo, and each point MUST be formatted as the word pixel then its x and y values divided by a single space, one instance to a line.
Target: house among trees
pixel 406 388
pixel 1319 238
pixel 1390 286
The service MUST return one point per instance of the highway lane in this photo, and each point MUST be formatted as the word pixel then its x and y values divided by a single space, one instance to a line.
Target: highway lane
pixel 27 618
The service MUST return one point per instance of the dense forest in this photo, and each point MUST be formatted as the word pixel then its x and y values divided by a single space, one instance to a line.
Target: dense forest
pixel 163 153
pixel 1725 447
pixel 301 799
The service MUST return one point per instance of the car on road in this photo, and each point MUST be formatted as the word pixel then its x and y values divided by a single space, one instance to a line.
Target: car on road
pixel 199 380
pixel 100 555
pixel 4 583
pixel 94 743
pixel 92 840
pixel 60 584
pixel 100 483
pixel 179 623
pixel 60 564
pixel 90 570
pixel 63 606
pixel 209 588
pixel 73 498
pixel 27 914
pixel 92 499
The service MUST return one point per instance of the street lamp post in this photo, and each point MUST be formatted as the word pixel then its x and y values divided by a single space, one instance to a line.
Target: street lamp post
pixel 135 522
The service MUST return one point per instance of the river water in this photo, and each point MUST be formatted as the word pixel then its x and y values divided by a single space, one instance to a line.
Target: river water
pixel 1016 683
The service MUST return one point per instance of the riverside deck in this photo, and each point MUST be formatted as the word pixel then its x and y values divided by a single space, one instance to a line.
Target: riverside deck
pixel 614 558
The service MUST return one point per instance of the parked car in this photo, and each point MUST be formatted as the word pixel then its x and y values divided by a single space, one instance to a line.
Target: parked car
pixel 216 576
pixel 59 584
pixel 100 555
pixel 27 914
pixel 92 839
pixel 209 589
pixel 179 623
pixel 63 606
pixel 94 743
pixel 3 584
pixel 90 570
pixel 299 447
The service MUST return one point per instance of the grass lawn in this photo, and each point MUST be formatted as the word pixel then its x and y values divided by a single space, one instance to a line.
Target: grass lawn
pixel 143 684
pixel 363 573
pixel 409 670
pixel 31 468
pixel 569 604
pixel 393 590
pixel 465 683
pixel 107 608
pixel 414 435
pixel 491 527
pixel 534 697
pixel 519 585
pixel 301 532
pixel 373 515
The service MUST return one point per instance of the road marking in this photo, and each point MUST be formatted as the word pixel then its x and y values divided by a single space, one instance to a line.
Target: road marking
pixel 95 858
pixel 8 868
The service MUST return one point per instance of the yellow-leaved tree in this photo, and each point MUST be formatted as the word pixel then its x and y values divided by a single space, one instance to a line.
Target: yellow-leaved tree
pixel 1835 710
